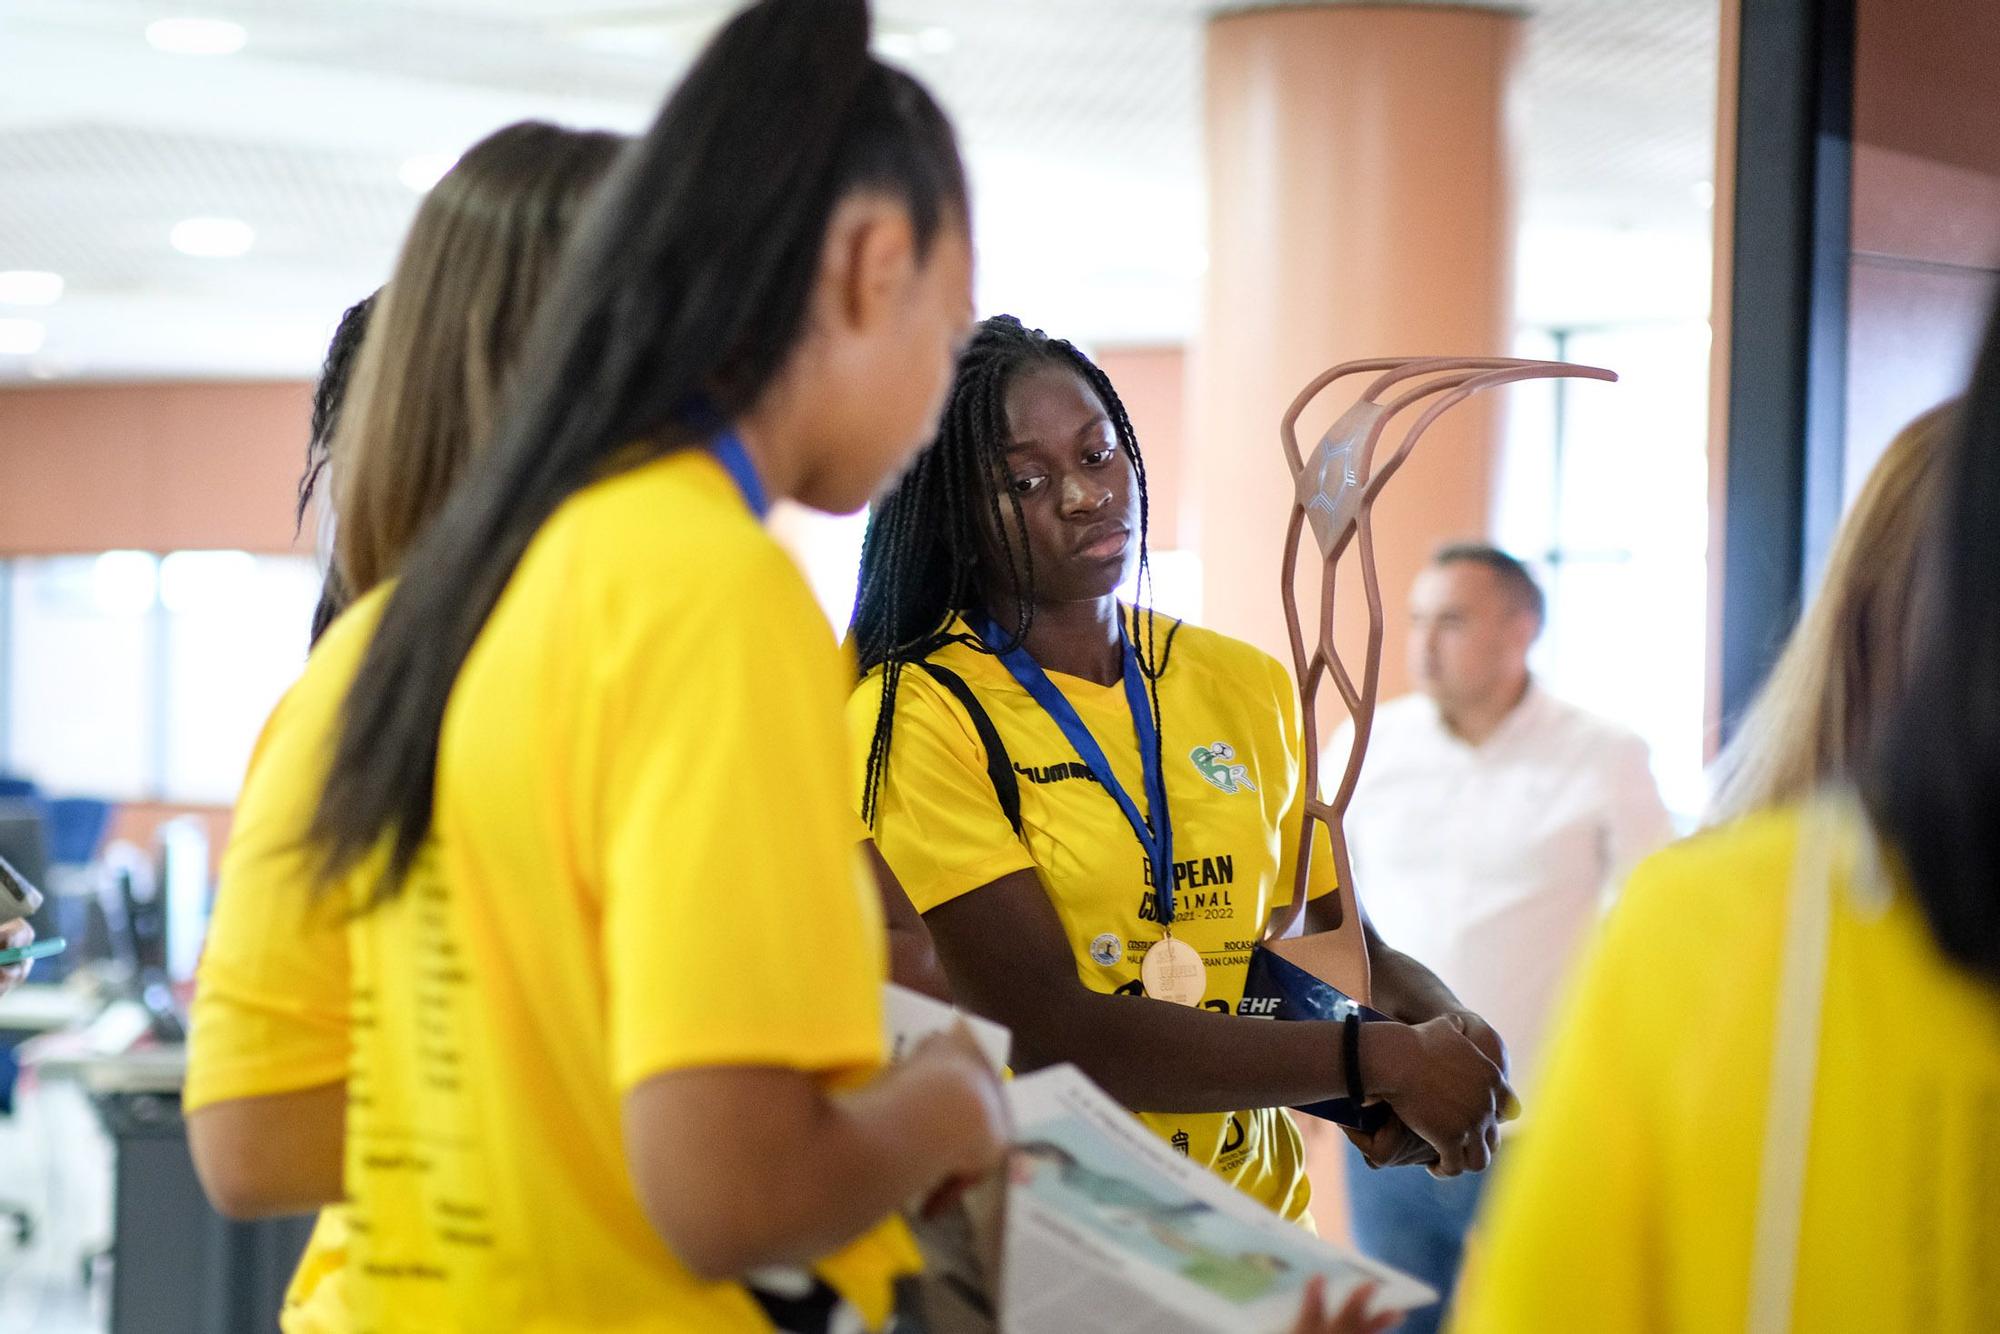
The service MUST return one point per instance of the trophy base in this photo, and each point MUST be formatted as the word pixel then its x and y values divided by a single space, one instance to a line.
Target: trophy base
pixel 1280 987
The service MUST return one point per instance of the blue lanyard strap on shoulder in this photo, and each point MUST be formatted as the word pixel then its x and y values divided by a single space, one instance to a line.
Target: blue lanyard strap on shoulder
pixel 1154 829
pixel 727 447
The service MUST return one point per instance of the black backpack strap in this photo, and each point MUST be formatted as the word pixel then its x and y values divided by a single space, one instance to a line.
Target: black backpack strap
pixel 999 766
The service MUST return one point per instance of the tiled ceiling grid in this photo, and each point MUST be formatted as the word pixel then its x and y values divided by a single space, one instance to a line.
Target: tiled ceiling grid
pixel 1081 118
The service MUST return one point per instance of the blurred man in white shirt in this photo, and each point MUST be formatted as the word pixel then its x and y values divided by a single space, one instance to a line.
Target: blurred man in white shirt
pixel 1490 820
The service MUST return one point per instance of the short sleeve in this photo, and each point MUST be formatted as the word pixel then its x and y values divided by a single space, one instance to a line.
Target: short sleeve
pixel 738 927
pixel 938 821
pixel 271 996
pixel 1322 878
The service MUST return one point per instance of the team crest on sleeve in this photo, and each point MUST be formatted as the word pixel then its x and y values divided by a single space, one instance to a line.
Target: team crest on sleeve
pixel 1216 761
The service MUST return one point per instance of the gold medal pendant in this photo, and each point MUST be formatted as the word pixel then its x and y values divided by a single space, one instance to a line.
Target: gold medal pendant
pixel 1173 971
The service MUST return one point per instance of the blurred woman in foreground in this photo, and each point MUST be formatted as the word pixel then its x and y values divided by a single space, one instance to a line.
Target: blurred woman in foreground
pixel 1770 1105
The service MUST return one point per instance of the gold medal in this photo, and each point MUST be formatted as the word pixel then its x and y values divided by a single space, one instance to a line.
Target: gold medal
pixel 1173 971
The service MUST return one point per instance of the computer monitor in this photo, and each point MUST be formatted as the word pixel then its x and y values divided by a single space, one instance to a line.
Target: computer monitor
pixel 184 894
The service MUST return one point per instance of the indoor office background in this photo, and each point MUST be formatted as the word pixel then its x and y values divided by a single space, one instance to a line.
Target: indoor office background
pixel 1738 205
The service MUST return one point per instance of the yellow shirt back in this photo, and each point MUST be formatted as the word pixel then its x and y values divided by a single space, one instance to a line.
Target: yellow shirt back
pixel 640 862
pixel 1235 788
pixel 1632 1204
pixel 271 996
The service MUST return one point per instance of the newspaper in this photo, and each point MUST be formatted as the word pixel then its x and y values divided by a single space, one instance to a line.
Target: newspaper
pixel 911 1016
pixel 1100 1228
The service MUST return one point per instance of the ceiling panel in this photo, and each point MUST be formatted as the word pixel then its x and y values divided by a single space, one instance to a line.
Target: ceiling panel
pixel 1081 120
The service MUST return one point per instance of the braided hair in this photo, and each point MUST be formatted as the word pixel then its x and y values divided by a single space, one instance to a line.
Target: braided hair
pixel 328 395
pixel 922 562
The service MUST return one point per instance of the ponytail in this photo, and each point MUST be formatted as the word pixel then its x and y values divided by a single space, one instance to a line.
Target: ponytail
pixel 685 292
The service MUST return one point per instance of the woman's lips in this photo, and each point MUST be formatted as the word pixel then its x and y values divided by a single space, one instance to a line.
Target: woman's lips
pixel 1106 543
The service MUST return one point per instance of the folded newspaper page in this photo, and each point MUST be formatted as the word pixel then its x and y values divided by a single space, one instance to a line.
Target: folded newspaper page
pixel 911 1016
pixel 1100 1228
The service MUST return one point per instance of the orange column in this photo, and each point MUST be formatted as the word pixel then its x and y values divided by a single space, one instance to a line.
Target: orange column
pixel 1360 205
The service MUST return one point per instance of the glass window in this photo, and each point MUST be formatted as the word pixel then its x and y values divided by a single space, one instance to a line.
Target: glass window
pixel 1605 490
pixel 129 676
pixel 79 646
pixel 236 632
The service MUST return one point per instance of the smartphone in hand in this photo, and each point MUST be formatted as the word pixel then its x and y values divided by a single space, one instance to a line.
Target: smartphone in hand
pixel 40 949
pixel 18 898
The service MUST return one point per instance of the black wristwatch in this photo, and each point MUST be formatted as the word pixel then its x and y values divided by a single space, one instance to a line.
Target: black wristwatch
pixel 1350 1048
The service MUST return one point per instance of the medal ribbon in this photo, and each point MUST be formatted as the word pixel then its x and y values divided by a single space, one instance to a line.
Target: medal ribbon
pixel 727 447
pixel 1154 830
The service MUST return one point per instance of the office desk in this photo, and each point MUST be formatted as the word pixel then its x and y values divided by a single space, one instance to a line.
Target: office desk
pixel 178 1267
pixel 33 1008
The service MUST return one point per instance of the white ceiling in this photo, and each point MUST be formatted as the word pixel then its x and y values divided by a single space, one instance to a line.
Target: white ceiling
pixel 1080 118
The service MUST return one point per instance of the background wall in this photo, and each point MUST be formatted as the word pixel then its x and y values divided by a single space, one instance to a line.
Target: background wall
pixel 1152 382
pixel 1926 211
pixel 151 467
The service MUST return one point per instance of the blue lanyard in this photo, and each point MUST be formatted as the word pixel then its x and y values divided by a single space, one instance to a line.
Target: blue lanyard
pixel 1155 831
pixel 735 460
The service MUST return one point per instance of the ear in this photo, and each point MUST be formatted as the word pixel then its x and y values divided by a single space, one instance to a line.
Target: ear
pixel 1526 628
pixel 871 255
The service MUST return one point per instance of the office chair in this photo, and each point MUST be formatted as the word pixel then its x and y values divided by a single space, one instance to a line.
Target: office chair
pixel 77 826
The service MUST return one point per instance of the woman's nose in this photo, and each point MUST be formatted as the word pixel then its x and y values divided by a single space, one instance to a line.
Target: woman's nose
pixel 1082 494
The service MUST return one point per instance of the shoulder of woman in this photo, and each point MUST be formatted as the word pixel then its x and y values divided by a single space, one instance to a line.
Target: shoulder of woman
pixel 1224 657
pixel 1732 872
pixel 918 693
pixel 1196 646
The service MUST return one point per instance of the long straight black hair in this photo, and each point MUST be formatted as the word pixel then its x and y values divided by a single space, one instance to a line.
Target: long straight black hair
pixel 1933 786
pixel 684 294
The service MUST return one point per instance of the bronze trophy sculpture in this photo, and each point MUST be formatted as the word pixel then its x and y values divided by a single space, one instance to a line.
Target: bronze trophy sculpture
pixel 1325 975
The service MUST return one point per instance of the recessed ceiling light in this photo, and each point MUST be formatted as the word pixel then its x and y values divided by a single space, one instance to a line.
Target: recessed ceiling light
pixel 213 238
pixel 21 338
pixel 189 36
pixel 30 287
pixel 909 44
pixel 424 170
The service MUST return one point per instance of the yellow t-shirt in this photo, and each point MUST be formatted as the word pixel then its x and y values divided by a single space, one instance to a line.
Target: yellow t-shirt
pixel 640 862
pixel 1632 1204
pixel 1235 788
pixel 270 1002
